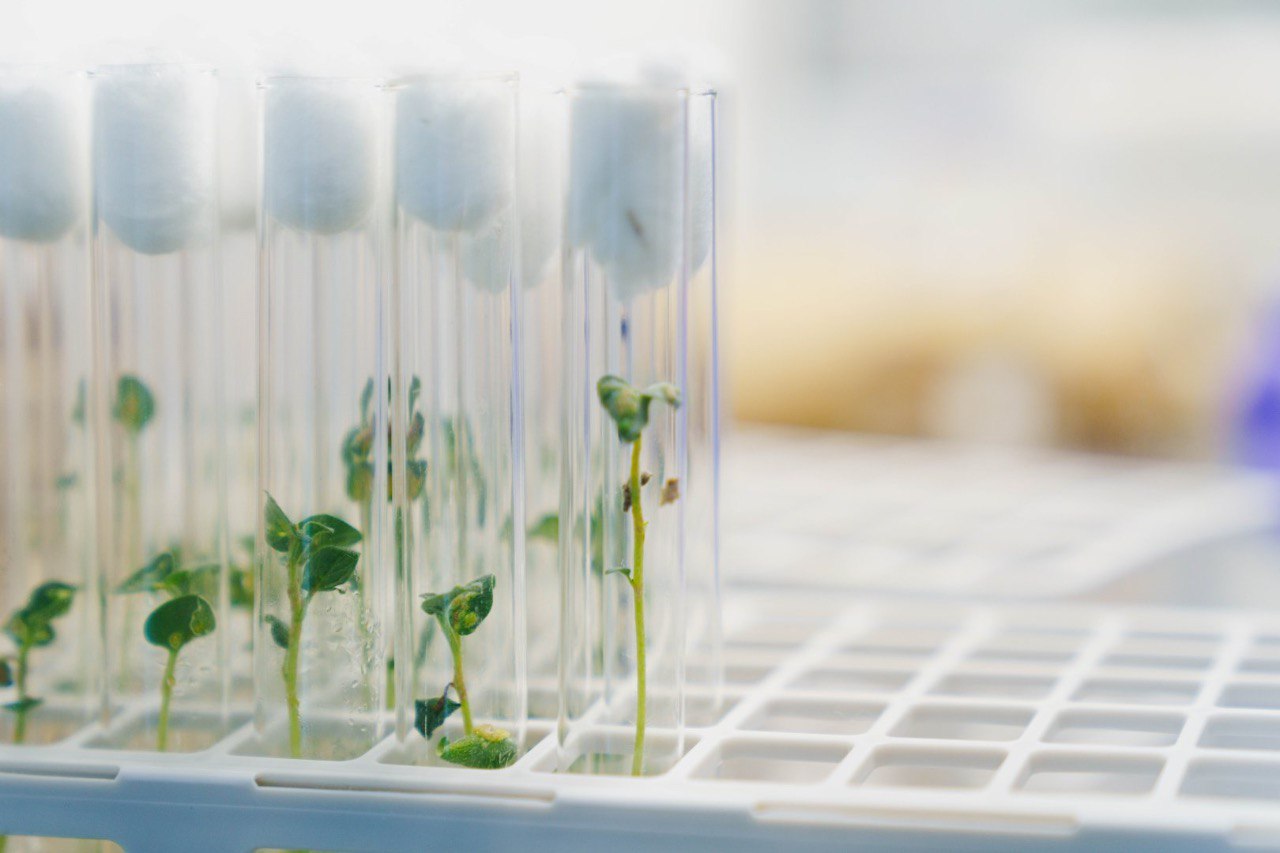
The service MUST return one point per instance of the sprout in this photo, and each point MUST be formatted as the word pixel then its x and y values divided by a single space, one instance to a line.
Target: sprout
pixel 629 409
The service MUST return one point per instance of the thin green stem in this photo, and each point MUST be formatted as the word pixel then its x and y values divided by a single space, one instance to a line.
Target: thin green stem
pixel 637 589
pixel 166 697
pixel 297 612
pixel 459 681
pixel 20 723
pixel 130 548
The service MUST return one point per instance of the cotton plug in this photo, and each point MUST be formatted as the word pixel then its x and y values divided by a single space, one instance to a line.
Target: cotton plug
pixel 626 182
pixel 454 151
pixel 154 155
pixel 41 169
pixel 320 169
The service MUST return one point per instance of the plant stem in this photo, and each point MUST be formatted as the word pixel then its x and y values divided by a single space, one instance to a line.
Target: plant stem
pixel 297 611
pixel 166 696
pixel 20 723
pixel 459 682
pixel 637 589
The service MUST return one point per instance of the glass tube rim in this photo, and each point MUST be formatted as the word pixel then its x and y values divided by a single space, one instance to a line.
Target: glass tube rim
pixel 452 78
pixel 153 69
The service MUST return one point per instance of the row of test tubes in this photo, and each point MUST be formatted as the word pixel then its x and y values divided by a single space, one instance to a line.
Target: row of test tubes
pixel 344 408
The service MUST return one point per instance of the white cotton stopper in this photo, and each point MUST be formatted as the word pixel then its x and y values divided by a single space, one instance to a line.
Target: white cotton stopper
pixel 488 255
pixel 155 155
pixel 626 183
pixel 41 168
pixel 320 160
pixel 455 149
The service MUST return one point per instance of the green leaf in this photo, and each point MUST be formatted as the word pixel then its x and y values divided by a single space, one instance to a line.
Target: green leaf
pixel 546 528
pixel 279 632
pixel 360 482
pixel 328 569
pixel 486 748
pixel 241 582
pixel 135 405
pixel 417 471
pixel 366 399
pixel 22 705
pixel 358 445
pixel 327 531
pixel 466 606
pixel 27 633
pixel 625 571
pixel 49 601
pixel 201 580
pixel 415 389
pixel 6 673
pixel 280 532
pixel 430 714
pixel 79 409
pixel 417 429
pixel 664 391
pixel 177 622
pixel 150 577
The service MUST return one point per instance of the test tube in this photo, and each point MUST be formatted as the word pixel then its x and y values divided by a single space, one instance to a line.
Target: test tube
pixel 48 653
pixel 322 587
pixel 626 453
pixel 458 465
pixel 704 636
pixel 161 502
pixel 542 153
pixel 239 143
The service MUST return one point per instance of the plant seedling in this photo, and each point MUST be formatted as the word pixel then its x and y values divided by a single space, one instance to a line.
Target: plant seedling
pixel 133 408
pixel 628 407
pixel 171 626
pixel 460 611
pixel 318 558
pixel 186 616
pixel 31 627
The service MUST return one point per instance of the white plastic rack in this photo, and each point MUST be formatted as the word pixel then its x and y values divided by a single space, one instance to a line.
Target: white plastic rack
pixel 848 722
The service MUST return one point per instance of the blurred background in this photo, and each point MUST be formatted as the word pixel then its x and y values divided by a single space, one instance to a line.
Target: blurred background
pixel 1048 223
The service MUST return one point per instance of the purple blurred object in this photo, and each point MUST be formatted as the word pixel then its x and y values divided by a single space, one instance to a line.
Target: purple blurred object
pixel 1256 430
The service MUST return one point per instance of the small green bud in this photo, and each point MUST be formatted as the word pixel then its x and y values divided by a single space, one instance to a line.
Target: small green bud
pixel 465 606
pixel 629 407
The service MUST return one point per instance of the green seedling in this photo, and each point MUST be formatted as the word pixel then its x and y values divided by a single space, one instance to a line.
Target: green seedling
pixel 186 616
pixel 628 407
pixel 31 627
pixel 171 626
pixel 318 559
pixel 459 612
pixel 133 409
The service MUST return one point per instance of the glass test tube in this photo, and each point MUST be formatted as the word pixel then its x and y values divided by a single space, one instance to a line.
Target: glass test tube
pixel 622 519
pixel 239 138
pixel 542 152
pixel 161 502
pixel 704 668
pixel 49 661
pixel 460 532
pixel 322 587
